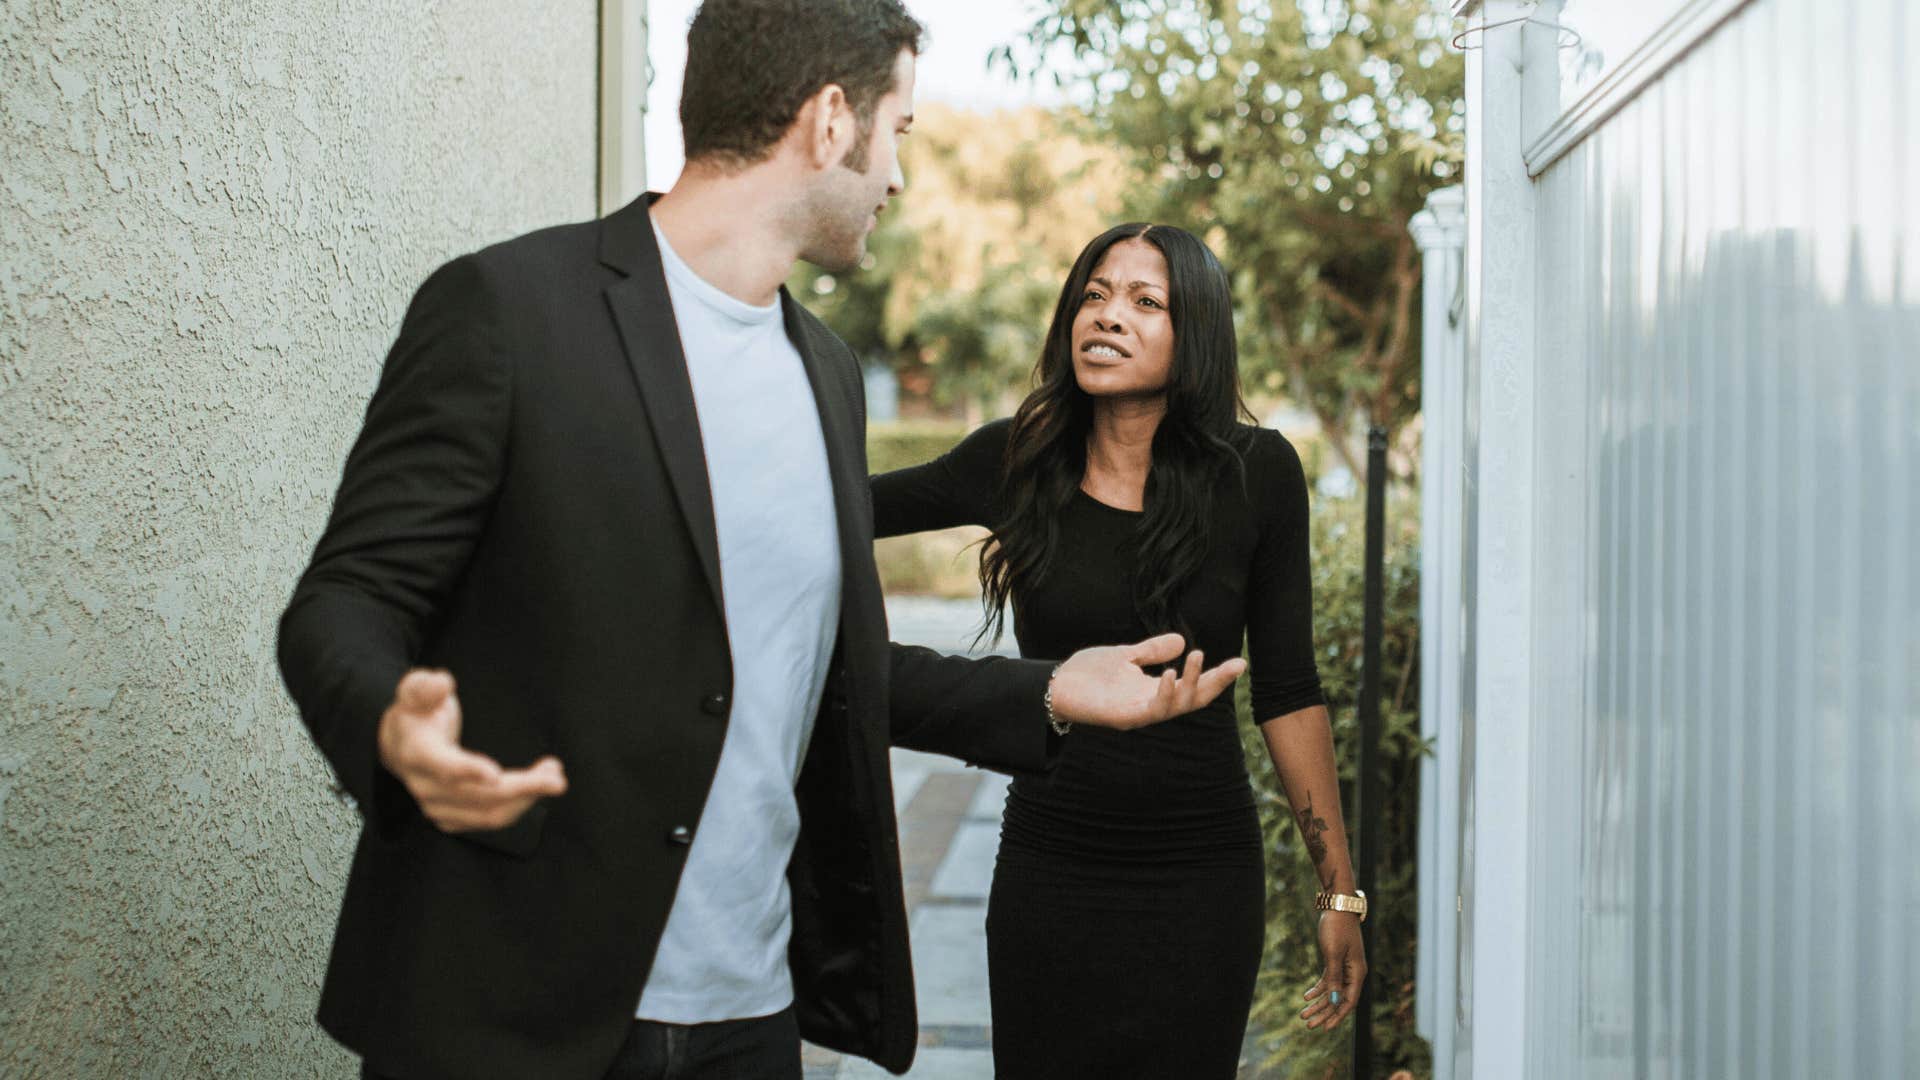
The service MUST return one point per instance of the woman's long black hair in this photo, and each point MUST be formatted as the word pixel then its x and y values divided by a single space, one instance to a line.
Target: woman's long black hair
pixel 1196 442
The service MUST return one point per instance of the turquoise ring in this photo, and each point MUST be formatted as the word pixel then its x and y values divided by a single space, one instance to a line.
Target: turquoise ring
pixel 1333 996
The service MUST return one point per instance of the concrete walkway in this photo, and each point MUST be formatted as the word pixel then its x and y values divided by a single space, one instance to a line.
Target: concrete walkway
pixel 949 831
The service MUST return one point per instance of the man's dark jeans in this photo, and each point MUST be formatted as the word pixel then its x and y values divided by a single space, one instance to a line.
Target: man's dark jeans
pixel 763 1048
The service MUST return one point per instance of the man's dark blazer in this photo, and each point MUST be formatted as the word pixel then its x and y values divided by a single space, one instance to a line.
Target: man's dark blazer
pixel 527 506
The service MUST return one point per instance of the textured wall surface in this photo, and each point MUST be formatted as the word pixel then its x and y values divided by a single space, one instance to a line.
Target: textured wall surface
pixel 211 219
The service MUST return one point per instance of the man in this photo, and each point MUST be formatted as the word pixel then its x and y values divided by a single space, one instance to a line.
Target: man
pixel 614 480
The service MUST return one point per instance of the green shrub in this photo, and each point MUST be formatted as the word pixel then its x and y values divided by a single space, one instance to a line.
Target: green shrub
pixel 1292 959
pixel 944 563
pixel 897 445
pixel 940 563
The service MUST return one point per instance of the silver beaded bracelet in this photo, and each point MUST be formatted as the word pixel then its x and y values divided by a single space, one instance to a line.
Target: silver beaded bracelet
pixel 1060 727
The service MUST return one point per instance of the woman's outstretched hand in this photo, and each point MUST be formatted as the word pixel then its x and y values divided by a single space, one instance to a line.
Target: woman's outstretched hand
pixel 1106 688
pixel 1343 957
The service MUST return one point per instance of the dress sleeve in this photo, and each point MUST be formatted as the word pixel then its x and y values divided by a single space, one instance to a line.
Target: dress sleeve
pixel 1280 584
pixel 957 488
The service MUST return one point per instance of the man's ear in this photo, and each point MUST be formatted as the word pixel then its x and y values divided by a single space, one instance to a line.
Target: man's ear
pixel 825 125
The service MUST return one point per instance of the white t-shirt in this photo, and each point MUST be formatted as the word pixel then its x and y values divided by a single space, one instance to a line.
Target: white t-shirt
pixel 723 955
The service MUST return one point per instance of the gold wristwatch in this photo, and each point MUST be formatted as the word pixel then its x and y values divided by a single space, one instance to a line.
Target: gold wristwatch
pixel 1333 901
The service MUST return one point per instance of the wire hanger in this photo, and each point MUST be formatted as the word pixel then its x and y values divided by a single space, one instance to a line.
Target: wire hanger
pixel 1569 37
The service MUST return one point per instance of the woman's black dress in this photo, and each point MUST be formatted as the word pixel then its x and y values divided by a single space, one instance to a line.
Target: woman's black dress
pixel 1125 923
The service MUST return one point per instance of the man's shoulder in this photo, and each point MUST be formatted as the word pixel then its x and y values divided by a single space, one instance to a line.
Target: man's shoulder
pixel 541 252
pixel 521 277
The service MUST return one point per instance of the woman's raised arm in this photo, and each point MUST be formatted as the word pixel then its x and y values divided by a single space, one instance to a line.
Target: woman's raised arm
pixel 956 488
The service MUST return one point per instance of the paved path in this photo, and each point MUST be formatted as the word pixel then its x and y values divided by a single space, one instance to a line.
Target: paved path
pixel 949 831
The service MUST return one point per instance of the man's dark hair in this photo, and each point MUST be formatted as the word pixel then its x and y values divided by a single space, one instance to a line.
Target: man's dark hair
pixel 751 64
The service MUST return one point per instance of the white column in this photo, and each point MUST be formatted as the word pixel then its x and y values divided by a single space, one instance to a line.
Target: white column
pixel 1440 231
pixel 623 102
pixel 1506 65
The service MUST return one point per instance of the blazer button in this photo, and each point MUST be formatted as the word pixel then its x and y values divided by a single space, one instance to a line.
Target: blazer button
pixel 681 835
pixel 714 704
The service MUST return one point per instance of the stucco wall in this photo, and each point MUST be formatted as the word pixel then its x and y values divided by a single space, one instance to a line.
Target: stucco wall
pixel 211 219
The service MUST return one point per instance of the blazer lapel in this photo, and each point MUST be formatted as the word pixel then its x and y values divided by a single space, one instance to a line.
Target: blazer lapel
pixel 643 312
pixel 838 428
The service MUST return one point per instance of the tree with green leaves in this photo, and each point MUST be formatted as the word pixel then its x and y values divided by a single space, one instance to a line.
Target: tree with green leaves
pixel 1299 137
pixel 963 272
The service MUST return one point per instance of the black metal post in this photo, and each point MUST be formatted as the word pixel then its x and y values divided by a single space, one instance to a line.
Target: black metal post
pixel 1366 789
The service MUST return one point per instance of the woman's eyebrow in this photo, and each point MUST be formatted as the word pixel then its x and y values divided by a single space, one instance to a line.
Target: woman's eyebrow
pixel 1133 285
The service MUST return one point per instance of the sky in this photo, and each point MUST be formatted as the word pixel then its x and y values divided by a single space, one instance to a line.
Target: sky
pixel 953 69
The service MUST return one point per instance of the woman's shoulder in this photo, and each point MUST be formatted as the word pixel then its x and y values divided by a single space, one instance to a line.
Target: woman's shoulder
pixel 984 446
pixel 993 431
pixel 1265 449
pixel 1275 480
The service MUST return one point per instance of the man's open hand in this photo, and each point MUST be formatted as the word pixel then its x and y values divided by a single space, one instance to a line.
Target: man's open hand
pixel 458 790
pixel 1106 688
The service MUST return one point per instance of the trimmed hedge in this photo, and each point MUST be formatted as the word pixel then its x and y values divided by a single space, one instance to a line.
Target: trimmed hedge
pixel 940 563
pixel 897 445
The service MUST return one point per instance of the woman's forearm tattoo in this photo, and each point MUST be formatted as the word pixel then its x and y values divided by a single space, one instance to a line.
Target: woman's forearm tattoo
pixel 1310 829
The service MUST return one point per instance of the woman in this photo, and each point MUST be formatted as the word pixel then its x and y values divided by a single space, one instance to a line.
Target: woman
pixel 1125 923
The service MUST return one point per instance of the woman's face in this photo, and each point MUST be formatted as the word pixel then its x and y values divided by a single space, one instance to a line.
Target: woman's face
pixel 1123 334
